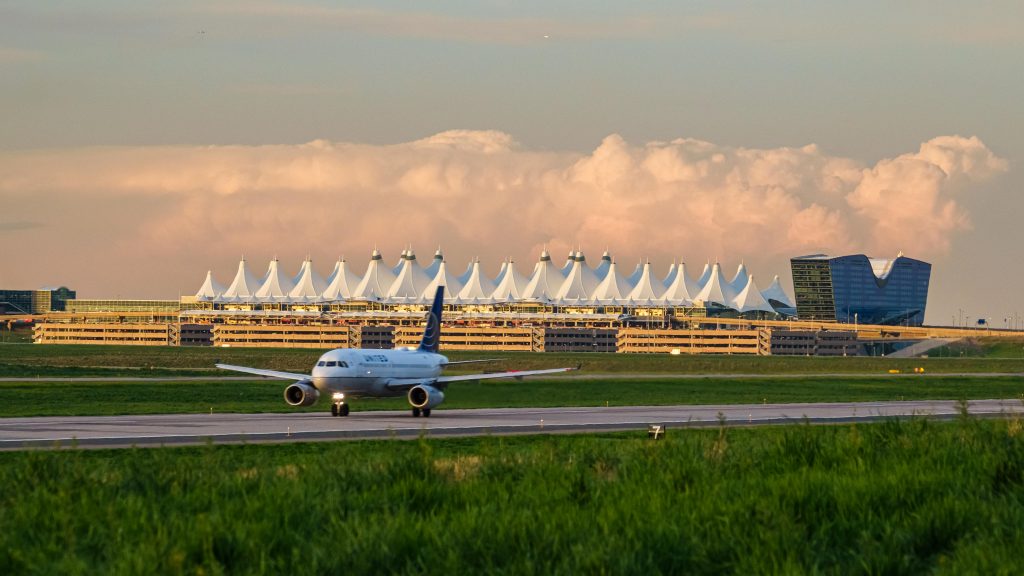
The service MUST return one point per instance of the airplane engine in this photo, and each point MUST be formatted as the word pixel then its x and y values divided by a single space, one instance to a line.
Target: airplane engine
pixel 301 394
pixel 425 397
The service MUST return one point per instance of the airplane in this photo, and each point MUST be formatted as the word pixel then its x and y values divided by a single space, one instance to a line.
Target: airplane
pixel 352 373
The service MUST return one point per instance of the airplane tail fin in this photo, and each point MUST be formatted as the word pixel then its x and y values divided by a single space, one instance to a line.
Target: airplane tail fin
pixel 432 333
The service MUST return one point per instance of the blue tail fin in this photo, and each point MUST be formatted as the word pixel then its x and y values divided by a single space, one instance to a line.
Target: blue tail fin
pixel 432 333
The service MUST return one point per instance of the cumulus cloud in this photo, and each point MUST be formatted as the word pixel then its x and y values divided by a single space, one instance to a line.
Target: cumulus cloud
pixel 479 193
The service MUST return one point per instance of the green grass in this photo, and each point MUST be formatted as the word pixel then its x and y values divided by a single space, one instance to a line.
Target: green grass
pixel 88 398
pixel 989 348
pixel 17 360
pixel 899 497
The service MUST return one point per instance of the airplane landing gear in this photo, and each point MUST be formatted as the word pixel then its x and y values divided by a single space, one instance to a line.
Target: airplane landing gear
pixel 338 406
pixel 416 412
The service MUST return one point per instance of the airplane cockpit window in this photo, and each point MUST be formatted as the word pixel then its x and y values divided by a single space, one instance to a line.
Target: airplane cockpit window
pixel 320 363
pixel 332 363
pixel 342 364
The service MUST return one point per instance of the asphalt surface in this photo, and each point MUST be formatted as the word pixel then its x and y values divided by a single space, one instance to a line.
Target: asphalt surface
pixel 179 429
pixel 575 376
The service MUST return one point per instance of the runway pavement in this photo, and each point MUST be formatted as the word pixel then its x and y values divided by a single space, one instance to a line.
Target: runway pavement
pixel 178 429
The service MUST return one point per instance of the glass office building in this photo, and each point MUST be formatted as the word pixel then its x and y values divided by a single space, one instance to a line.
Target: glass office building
pixel 861 289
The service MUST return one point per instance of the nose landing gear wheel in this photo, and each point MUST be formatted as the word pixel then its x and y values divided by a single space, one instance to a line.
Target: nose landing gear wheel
pixel 339 409
pixel 415 412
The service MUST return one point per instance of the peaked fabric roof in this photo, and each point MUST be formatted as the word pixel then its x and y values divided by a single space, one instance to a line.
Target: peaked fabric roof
pixel 602 268
pixel 568 263
pixel 681 290
pixel 739 280
pixel 413 283
pixel 341 284
pixel 775 292
pixel 579 284
pixel 211 289
pixel 511 285
pixel 244 286
pixel 716 290
pixel 309 287
pixel 635 276
pixel 647 289
pixel 750 299
pixel 705 275
pixel 377 280
pixel 478 287
pixel 431 269
pixel 613 288
pixel 276 284
pixel 545 281
pixel 465 275
pixel 410 282
pixel 452 286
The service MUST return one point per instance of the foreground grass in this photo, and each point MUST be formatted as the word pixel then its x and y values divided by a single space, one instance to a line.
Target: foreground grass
pixel 88 398
pixel 895 498
pixel 25 360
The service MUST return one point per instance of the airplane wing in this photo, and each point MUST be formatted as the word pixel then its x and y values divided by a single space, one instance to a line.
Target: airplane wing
pixel 266 373
pixel 406 383
pixel 457 362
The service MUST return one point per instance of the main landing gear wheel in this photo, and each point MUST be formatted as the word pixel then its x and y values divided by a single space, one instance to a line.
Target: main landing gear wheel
pixel 426 412
pixel 339 409
pixel 415 412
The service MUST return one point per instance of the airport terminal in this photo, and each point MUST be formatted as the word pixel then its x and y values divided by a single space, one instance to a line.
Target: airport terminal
pixel 844 306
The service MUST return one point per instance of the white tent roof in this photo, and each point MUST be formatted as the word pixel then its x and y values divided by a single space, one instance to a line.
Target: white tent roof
pixel 243 287
pixel 775 292
pixel 276 285
pixel 511 285
pixel 635 276
pixel 377 280
pixel 716 290
pixel 465 275
pixel 681 289
pixel 579 284
pixel 545 281
pixel 705 275
pixel 613 288
pixel 211 289
pixel 341 284
pixel 501 272
pixel 602 268
pixel 410 282
pixel 750 299
pixel 452 286
pixel 670 276
pixel 569 260
pixel 739 280
pixel 309 287
pixel 431 269
pixel 398 265
pixel 478 287
pixel 647 290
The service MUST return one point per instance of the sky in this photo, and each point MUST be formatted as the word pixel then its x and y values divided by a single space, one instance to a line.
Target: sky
pixel 144 143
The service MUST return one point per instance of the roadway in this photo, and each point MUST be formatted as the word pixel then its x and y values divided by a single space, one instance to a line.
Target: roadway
pixel 183 429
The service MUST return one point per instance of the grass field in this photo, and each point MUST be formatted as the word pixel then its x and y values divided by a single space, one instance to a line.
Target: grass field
pixel 26 360
pixel 908 497
pixel 88 398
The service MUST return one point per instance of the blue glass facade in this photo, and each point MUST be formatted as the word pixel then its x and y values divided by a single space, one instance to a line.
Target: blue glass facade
pixel 852 290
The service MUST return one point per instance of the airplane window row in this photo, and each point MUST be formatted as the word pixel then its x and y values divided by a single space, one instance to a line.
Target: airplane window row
pixel 340 364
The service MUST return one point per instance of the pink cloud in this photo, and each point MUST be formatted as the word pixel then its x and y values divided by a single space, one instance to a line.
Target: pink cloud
pixel 478 193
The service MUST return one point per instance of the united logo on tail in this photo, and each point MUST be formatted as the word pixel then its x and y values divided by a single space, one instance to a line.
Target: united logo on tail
pixel 432 334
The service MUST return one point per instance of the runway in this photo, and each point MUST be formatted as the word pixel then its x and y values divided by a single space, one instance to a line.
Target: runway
pixel 182 429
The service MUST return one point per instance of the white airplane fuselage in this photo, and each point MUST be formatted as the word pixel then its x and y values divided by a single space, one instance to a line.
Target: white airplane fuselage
pixel 365 373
